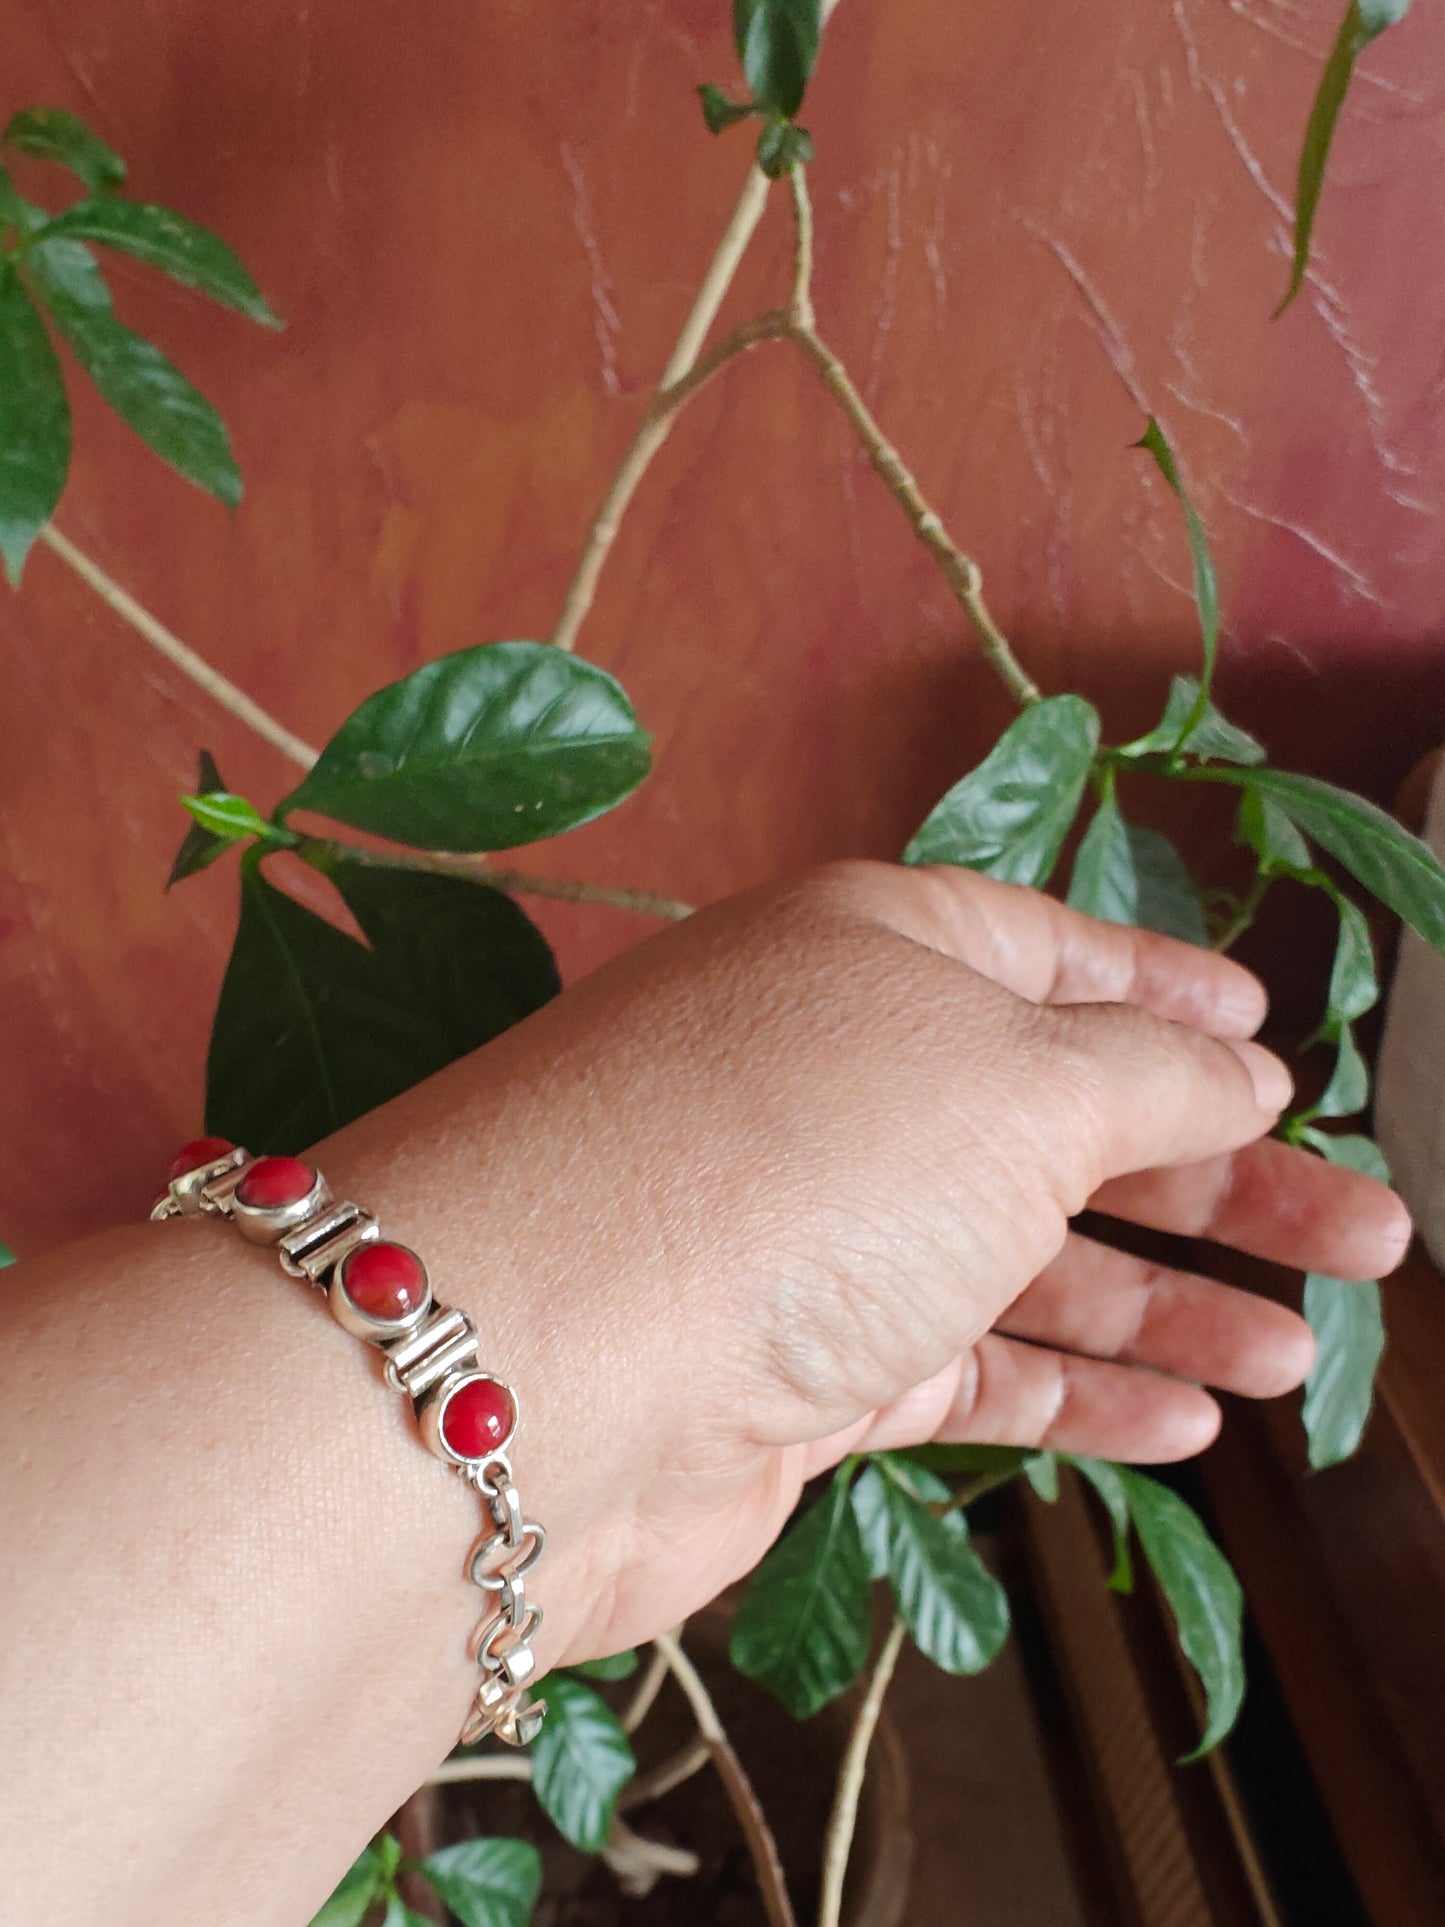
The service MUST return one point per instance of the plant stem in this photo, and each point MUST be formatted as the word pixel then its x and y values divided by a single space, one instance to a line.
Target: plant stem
pixel 483 1766
pixel 648 1688
pixel 520 883
pixel 235 701
pixel 1245 915
pixel 850 1780
pixel 763 1847
pixel 670 1773
pixel 974 1490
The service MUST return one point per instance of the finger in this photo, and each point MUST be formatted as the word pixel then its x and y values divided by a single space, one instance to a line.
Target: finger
pixel 1005 1392
pixel 1110 1304
pixel 1273 1201
pixel 1042 950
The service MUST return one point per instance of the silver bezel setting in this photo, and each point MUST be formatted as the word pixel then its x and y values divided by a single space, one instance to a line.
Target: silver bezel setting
pixel 349 1315
pixel 268 1224
pixel 431 1408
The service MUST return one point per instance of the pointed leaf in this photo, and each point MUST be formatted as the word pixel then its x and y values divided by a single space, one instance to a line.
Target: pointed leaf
pixel 777 42
pixel 1349 1327
pixel 398 1914
pixel 487 1883
pixel 166 240
pixel 719 113
pixel 34 424
pixel 955 1610
pixel 200 847
pixel 1348 1090
pixel 1009 817
pixel 55 134
pixel 313 1028
pixel 614 1666
pixel 361 1885
pixel 1264 828
pixel 1396 867
pixel 1125 874
pixel 1213 739
pixel 1354 987
pixel 7 1256
pixel 225 815
pixel 1042 1473
pixel 482 750
pixel 871 1501
pixel 977 1460
pixel 802 1628
pixel 1105 1480
pixel 581 1760
pixel 1356 1152
pixel 1206 589
pixel 1363 20
pixel 1203 1594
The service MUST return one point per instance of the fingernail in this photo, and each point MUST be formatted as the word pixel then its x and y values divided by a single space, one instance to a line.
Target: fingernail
pixel 1273 1085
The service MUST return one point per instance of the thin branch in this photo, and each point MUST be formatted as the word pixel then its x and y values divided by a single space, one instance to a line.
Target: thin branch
pixel 767 1864
pixel 235 701
pixel 518 883
pixel 648 1688
pixel 800 308
pixel 850 1780
pixel 669 1773
pixel 483 1766
pixel 639 1863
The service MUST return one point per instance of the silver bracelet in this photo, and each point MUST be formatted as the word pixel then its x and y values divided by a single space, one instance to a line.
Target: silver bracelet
pixel 379 1291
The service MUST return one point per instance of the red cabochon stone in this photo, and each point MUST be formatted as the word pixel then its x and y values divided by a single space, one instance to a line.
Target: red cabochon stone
pixel 384 1280
pixel 200 1150
pixel 479 1418
pixel 273 1183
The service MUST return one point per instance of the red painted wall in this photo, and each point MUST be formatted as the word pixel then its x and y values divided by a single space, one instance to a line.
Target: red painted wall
pixel 483 225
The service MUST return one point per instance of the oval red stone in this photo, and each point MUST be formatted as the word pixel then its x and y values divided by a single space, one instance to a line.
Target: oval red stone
pixel 479 1418
pixel 384 1280
pixel 200 1150
pixel 273 1183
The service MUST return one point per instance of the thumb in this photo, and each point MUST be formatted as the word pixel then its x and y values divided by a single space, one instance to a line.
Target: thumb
pixel 1156 1093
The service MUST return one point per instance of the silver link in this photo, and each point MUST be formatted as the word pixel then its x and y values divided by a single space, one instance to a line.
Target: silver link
pixel 517 1569
pixel 411 1366
pixel 313 1249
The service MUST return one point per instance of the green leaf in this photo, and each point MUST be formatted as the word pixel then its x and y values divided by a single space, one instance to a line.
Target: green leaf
pixel 1124 874
pixel 487 1883
pixel 1350 1149
pixel 1363 20
pixel 482 750
pixel 802 1628
pixel 1348 1090
pixel 1106 1481
pixel 228 816
pixel 1203 1594
pixel 976 1460
pixel 1042 1473
pixel 200 847
pixel 55 134
pixel 1354 987
pixel 7 1256
pixel 783 146
pixel 1264 828
pixel 1349 1327
pixel 614 1666
pixel 1396 867
pixel 314 1028
pixel 1206 588
pixel 581 1760
pixel 719 113
pixel 166 240
pixel 1212 739
pixel 34 424
pixel 777 42
pixel 148 392
pixel 955 1610
pixel 361 1885
pixel 398 1914
pixel 1009 817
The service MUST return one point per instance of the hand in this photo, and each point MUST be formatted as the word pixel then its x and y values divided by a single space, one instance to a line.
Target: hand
pixel 795 1179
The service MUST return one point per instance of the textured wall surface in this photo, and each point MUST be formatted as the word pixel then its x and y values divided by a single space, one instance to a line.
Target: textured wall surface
pixel 483 225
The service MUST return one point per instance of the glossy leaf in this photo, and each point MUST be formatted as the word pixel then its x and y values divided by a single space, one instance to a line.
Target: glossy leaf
pixel 1203 1594
pixel 1348 1090
pixel 719 113
pixel 783 146
pixel 802 1628
pixel 55 134
pixel 1354 986
pixel 1264 828
pixel 398 1914
pixel 1042 1473
pixel 34 424
pixel 487 1883
pixel 581 1760
pixel 1349 1327
pixel 614 1666
pixel 482 750
pixel 313 1028
pixel 166 240
pixel 1363 20
pixel 1206 588
pixel 777 42
pixel 1106 1481
pixel 869 1499
pixel 359 1887
pixel 1213 738
pixel 225 815
pixel 1125 874
pixel 954 1608
pixel 978 1461
pixel 1009 817
pixel 1396 867
pixel 200 847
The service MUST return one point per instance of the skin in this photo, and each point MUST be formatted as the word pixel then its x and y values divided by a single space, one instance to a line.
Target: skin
pixel 792 1180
